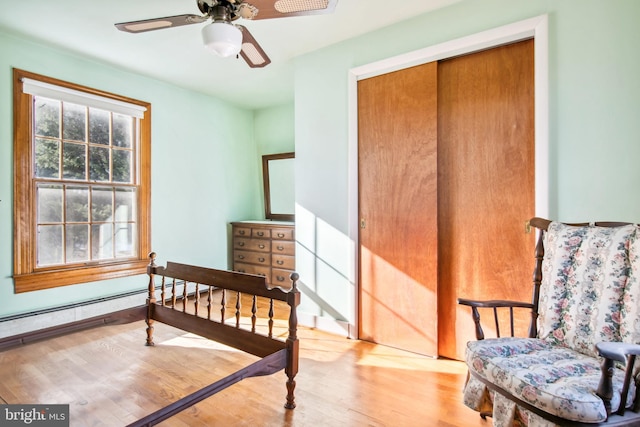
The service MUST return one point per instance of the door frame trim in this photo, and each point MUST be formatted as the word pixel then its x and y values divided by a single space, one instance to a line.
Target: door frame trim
pixel 536 28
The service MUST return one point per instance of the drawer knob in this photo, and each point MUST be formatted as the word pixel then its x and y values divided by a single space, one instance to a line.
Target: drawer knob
pixel 261 259
pixel 240 243
pixel 260 233
pixel 240 256
pixel 280 234
pixel 241 232
pixel 261 246
pixel 280 248
pixel 279 262
pixel 280 278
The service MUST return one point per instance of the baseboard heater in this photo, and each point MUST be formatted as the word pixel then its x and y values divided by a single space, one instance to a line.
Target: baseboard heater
pixel 127 315
pixel 118 317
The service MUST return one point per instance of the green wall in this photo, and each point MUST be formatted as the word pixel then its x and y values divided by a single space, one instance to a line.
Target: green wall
pixel 274 133
pixel 594 102
pixel 274 129
pixel 203 159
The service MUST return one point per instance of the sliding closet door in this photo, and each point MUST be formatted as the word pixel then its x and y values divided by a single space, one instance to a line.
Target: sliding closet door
pixel 397 128
pixel 485 185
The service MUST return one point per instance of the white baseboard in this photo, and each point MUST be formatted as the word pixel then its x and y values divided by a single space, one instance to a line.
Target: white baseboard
pixel 326 324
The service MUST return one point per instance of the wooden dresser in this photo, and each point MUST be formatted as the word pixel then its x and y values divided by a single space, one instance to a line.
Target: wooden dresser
pixel 266 248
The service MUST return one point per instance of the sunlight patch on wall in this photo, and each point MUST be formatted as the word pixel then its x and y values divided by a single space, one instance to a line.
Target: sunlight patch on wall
pixel 325 261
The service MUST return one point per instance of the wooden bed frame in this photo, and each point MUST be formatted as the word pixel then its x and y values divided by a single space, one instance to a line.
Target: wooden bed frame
pixel 199 314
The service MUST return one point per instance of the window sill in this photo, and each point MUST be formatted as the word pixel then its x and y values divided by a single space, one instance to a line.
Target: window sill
pixel 72 276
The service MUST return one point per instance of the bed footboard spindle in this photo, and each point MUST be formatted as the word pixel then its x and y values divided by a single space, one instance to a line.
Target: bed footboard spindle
pixel 196 299
pixel 209 301
pixel 174 297
pixel 238 308
pixel 271 318
pixel 151 298
pixel 162 291
pixel 254 310
pixel 223 305
pixel 185 296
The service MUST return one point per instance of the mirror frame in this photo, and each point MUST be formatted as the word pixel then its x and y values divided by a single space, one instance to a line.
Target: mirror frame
pixel 267 188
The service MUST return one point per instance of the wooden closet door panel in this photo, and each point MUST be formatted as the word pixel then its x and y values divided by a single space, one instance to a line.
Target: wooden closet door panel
pixel 485 185
pixel 397 122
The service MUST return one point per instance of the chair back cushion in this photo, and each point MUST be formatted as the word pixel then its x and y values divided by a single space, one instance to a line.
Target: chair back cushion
pixel 590 286
pixel 630 307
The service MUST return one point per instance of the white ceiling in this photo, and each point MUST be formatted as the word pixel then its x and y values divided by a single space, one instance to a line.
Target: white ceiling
pixel 176 55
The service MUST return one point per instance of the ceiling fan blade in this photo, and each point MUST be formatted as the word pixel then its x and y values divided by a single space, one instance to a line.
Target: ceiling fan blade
pixel 160 23
pixel 268 9
pixel 251 51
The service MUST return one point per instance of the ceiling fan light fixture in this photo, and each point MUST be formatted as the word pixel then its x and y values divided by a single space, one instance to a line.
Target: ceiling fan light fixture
pixel 222 38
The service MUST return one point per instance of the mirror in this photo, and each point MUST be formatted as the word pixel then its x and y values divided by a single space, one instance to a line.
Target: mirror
pixel 278 178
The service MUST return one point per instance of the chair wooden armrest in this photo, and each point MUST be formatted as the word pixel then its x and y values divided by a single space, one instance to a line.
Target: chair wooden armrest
pixel 617 352
pixel 495 305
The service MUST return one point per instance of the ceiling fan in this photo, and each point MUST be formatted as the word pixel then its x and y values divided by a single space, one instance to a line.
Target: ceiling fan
pixel 224 37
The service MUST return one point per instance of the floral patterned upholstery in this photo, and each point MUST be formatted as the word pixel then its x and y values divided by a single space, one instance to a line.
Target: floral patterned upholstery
pixel 585 296
pixel 590 292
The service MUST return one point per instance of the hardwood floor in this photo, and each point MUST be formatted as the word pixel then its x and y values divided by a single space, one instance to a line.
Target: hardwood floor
pixel 109 378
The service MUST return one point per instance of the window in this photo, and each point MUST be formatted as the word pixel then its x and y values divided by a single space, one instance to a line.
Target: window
pixel 82 184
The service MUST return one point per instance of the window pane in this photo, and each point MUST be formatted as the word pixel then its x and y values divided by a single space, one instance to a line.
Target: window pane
pixel 98 126
pixel 98 164
pixel 124 239
pixel 77 204
pixel 47 159
pixel 122 131
pixel 121 166
pixel 74 162
pixel 102 241
pixel 49 203
pixel 49 245
pixel 77 241
pixel 125 204
pixel 74 119
pixel 47 114
pixel 102 204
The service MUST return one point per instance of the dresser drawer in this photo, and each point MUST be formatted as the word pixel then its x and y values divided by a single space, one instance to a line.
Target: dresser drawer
pixel 288 262
pixel 242 231
pixel 261 233
pixel 282 233
pixel 283 247
pixel 252 244
pixel 280 277
pixel 252 269
pixel 263 258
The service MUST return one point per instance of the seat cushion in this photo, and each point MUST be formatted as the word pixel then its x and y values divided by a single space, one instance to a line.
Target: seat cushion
pixel 556 380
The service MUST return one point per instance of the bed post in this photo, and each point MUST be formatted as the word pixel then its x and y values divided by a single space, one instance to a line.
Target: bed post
pixel 151 299
pixel 293 299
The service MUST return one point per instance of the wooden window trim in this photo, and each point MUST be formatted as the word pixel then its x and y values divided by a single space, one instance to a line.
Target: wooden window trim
pixel 26 276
